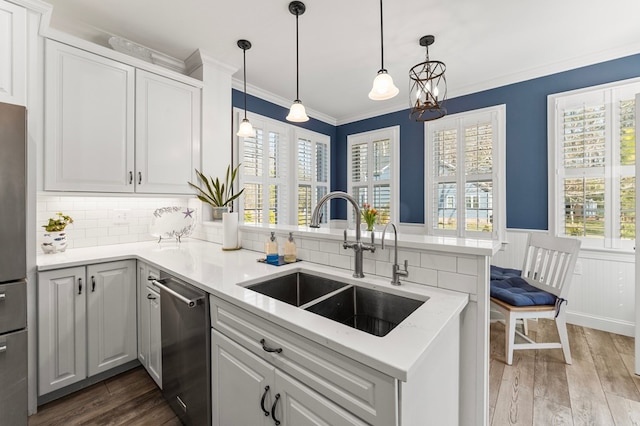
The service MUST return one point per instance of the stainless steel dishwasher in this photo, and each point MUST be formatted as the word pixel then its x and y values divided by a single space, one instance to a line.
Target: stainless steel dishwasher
pixel 186 350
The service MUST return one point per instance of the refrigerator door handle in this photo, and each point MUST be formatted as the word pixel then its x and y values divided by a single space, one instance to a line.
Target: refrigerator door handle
pixel 3 296
pixel 3 348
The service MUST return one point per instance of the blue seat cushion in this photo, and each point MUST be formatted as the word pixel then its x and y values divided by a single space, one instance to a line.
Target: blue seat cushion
pixel 499 273
pixel 516 291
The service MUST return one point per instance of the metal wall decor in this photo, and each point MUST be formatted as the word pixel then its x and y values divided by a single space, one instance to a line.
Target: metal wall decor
pixel 428 87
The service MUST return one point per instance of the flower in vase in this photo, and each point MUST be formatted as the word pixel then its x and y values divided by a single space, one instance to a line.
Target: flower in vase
pixel 369 215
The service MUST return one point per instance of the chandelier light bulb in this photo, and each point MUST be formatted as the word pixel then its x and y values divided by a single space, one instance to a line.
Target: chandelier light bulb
pixel 246 130
pixel 383 87
pixel 297 113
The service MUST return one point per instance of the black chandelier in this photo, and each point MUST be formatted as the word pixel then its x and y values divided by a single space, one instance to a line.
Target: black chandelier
pixel 428 89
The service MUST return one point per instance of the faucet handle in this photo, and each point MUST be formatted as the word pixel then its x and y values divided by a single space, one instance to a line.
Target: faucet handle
pixel 345 236
pixel 373 238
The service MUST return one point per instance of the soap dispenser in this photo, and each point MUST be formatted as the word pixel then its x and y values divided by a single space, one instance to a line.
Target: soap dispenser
pixel 290 252
pixel 271 250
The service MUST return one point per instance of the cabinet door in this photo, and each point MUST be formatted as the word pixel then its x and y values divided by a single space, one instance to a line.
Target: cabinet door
pixel 111 314
pixel 89 121
pixel 13 51
pixel 61 328
pixel 299 405
pixel 155 337
pixel 239 384
pixel 167 134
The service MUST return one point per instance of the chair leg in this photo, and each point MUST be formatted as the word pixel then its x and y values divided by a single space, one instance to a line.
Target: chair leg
pixel 561 324
pixel 525 326
pixel 510 336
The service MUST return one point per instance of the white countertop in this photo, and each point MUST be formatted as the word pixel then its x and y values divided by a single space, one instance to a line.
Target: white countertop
pixel 219 272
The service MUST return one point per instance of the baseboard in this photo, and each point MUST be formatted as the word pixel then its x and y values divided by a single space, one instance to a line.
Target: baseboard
pixel 610 325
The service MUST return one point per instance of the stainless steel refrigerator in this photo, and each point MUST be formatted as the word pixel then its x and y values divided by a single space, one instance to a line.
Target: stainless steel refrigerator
pixel 13 268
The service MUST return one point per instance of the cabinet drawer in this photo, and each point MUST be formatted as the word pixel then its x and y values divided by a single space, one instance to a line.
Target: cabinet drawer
pixel 13 306
pixel 359 389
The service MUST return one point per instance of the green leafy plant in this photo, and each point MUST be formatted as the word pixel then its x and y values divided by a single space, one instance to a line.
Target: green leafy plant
pixel 58 223
pixel 214 192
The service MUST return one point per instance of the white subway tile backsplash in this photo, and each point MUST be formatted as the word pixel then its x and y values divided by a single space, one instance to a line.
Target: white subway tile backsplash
pixel 330 247
pixel 457 282
pixel 339 261
pixel 440 262
pixel 412 256
pixel 310 244
pixel 467 265
pixel 384 269
pixel 423 276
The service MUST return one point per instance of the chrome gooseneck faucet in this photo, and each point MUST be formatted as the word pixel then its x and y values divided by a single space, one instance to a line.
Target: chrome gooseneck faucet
pixel 357 246
pixel 397 272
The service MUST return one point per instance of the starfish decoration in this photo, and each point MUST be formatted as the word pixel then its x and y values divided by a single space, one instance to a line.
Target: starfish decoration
pixel 187 213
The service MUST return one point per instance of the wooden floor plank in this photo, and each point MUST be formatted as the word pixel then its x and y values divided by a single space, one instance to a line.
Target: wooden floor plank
pixel 77 405
pixel 550 374
pixel 515 397
pixel 611 370
pixel 624 344
pixel 588 402
pixel 629 363
pixel 548 413
pixel 624 411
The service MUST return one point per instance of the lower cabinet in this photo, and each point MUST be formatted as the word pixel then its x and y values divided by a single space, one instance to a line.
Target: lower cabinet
pixel 247 390
pixel 149 337
pixel 86 318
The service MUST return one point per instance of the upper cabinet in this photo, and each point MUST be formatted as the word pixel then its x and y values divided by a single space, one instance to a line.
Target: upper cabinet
pixel 13 53
pixel 112 128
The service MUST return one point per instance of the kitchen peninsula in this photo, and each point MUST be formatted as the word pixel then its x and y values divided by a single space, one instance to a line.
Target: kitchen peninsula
pixel 415 364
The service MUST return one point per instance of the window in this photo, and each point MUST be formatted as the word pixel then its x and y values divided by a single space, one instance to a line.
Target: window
pixel 373 171
pixel 592 164
pixel 313 158
pixel 465 174
pixel 263 173
pixel 266 173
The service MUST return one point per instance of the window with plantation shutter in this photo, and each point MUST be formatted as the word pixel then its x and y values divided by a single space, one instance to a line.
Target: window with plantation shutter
pixel 592 159
pixel 465 174
pixel 373 171
pixel 313 174
pixel 285 171
pixel 264 171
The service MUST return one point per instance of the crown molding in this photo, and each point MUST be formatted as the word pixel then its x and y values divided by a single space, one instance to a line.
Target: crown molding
pixel 200 57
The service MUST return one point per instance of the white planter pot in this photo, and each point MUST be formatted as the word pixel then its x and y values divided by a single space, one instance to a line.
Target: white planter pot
pixel 54 242
pixel 230 231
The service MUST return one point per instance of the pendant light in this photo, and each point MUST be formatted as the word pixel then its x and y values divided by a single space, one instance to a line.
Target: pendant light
pixel 297 113
pixel 246 130
pixel 428 87
pixel 383 87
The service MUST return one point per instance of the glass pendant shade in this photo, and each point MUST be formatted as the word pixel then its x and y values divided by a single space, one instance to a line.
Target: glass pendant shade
pixel 428 87
pixel 297 113
pixel 383 87
pixel 246 130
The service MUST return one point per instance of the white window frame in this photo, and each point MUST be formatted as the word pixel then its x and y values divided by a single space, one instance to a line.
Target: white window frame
pixel 266 124
pixel 289 182
pixel 393 134
pixel 497 115
pixel 611 172
pixel 315 138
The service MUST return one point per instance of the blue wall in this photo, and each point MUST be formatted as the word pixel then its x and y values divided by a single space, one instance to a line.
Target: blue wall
pixel 526 155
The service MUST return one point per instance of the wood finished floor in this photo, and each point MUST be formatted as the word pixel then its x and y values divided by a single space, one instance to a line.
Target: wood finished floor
pixel 598 389
pixel 131 398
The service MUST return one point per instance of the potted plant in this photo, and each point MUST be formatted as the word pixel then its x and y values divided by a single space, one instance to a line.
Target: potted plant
pixel 219 195
pixel 55 239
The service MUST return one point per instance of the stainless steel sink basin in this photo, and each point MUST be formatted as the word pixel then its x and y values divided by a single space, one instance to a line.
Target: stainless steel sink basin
pixel 298 288
pixel 371 311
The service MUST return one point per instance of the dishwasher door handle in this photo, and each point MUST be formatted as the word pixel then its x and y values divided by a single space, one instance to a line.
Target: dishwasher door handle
pixel 190 302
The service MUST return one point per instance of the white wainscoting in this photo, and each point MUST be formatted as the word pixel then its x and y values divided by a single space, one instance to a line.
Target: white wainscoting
pixel 602 293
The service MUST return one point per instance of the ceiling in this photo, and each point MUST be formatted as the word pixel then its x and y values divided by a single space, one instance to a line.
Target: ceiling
pixel 484 44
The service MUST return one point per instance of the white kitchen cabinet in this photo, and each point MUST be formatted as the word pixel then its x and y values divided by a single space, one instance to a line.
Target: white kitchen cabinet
pixel 62 328
pixel 111 314
pixel 149 336
pixel 110 127
pixel 89 121
pixel 314 382
pixel 167 134
pixel 85 318
pixel 13 53
pixel 249 391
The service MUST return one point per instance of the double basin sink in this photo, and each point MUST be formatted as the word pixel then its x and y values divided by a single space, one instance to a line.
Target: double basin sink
pixel 372 311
